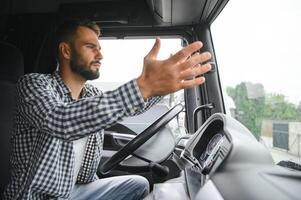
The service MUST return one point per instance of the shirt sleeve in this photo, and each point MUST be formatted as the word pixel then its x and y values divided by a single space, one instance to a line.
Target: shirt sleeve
pixel 40 106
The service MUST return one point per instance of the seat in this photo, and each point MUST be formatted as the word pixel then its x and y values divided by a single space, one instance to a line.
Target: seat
pixel 11 68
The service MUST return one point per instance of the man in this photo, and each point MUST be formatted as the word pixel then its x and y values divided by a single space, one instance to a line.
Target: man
pixel 58 133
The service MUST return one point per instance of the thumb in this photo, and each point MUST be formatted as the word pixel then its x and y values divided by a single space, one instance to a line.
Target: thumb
pixel 155 50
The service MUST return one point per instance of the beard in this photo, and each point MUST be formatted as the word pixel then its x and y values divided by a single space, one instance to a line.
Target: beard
pixel 80 68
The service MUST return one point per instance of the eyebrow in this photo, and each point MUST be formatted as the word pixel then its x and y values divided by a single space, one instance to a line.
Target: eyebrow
pixel 93 44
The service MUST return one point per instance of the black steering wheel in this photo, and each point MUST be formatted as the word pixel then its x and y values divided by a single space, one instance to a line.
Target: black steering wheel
pixel 140 139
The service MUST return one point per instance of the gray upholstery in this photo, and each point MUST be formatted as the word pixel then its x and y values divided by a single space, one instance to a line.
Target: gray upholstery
pixel 11 68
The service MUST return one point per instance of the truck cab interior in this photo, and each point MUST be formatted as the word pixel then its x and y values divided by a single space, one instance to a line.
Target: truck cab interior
pixel 217 158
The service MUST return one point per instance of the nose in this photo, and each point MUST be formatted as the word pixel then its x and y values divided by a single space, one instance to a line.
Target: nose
pixel 99 55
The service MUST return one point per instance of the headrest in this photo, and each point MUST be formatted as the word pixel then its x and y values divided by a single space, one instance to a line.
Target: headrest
pixel 11 63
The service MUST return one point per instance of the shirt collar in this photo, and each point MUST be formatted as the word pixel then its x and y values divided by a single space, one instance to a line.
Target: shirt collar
pixel 84 92
pixel 65 90
pixel 61 85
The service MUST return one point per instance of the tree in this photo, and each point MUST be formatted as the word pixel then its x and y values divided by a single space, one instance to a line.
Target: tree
pixel 249 110
pixel 299 110
pixel 276 107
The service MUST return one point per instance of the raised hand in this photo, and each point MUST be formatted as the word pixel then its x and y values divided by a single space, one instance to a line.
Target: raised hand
pixel 181 70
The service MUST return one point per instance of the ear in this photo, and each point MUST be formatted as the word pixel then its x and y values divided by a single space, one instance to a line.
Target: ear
pixel 65 50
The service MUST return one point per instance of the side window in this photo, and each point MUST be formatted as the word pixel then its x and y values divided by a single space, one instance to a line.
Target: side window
pixel 259 63
pixel 123 61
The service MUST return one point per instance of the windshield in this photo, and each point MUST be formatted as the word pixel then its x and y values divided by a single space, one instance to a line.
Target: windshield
pixel 258 48
pixel 130 53
pixel 123 59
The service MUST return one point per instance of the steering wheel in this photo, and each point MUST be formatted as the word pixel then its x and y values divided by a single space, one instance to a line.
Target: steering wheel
pixel 140 139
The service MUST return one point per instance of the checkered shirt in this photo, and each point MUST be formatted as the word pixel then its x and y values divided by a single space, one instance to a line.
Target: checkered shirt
pixel 47 122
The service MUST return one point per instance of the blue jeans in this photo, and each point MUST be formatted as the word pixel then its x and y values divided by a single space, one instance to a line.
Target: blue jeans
pixel 130 187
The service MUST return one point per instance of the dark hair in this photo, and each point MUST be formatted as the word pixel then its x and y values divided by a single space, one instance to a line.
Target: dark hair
pixel 66 31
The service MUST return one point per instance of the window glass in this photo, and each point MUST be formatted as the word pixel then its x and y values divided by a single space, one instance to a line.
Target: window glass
pixel 123 61
pixel 258 48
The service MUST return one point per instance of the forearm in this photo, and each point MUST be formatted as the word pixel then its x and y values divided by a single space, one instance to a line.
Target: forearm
pixel 70 121
pixel 149 103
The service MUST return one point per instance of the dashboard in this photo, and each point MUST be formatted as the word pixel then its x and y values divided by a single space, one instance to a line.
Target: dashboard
pixel 223 160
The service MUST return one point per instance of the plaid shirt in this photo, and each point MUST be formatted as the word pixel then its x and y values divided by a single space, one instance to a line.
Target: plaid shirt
pixel 48 120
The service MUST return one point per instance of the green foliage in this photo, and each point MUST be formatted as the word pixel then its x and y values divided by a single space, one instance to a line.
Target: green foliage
pixel 250 112
pixel 277 108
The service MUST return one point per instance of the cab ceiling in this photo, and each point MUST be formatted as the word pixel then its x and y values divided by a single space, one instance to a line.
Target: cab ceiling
pixel 122 12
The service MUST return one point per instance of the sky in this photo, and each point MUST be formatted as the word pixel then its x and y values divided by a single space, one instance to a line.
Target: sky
pixel 260 41
pixel 255 40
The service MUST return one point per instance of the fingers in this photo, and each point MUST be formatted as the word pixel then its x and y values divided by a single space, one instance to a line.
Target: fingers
pixel 192 68
pixel 155 50
pixel 195 71
pixel 194 60
pixel 192 82
pixel 186 52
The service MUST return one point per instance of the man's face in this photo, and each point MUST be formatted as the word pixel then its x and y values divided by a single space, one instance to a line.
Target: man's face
pixel 85 54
